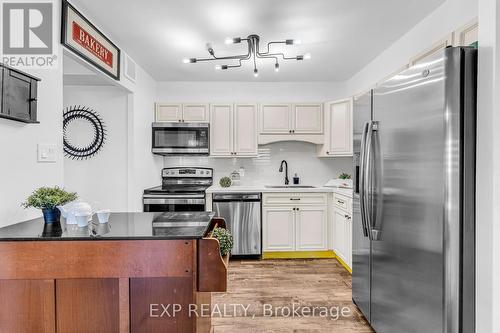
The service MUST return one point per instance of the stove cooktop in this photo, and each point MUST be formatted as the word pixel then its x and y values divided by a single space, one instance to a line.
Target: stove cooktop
pixel 177 189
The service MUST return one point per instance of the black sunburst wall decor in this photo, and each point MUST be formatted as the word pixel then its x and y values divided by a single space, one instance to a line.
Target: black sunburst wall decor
pixel 78 112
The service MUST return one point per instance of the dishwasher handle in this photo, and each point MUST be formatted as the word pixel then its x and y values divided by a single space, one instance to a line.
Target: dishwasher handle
pixel 221 197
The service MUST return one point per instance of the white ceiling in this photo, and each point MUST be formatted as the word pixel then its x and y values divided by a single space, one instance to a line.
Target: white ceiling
pixel 341 35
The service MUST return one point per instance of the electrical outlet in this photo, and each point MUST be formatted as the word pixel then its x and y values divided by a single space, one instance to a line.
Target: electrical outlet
pixel 46 153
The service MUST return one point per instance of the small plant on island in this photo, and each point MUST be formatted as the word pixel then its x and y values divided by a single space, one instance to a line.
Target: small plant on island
pixel 344 175
pixel 225 240
pixel 47 199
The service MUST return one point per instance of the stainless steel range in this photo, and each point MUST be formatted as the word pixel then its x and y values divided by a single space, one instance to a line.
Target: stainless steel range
pixel 182 190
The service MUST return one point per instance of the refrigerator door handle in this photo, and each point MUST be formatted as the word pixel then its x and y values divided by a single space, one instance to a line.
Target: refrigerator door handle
pixel 362 182
pixel 374 186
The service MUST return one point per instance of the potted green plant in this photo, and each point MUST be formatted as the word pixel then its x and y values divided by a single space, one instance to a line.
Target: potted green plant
pixel 225 241
pixel 46 199
pixel 344 175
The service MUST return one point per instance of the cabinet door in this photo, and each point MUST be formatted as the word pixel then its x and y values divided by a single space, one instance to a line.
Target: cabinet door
pixel 339 237
pixel 311 228
pixel 442 44
pixel 221 129
pixel 467 35
pixel 278 229
pixel 1 91
pixel 340 132
pixel 245 129
pixel 275 118
pixel 168 112
pixel 348 233
pixel 17 99
pixel 308 118
pixel 195 113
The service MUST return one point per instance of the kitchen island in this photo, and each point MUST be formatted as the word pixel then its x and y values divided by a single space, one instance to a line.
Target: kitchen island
pixel 140 272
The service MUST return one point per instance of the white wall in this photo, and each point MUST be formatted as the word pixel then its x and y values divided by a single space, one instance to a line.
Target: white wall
pixel 448 17
pixel 144 168
pixel 488 170
pixel 102 178
pixel 250 91
pixel 20 173
pixel 301 158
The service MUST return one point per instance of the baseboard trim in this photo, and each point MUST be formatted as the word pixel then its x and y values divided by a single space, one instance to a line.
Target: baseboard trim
pixel 306 255
pixel 298 255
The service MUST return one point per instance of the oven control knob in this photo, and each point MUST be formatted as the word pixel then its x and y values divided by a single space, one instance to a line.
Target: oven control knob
pixel 167 172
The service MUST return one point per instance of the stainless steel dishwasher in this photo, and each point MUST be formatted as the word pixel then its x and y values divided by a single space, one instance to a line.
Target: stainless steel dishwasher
pixel 242 213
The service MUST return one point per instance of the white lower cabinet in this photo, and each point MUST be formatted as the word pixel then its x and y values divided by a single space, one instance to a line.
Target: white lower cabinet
pixel 311 225
pixel 342 231
pixel 292 226
pixel 278 229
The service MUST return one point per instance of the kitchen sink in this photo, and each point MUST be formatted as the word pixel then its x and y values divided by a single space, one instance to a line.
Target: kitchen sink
pixel 290 186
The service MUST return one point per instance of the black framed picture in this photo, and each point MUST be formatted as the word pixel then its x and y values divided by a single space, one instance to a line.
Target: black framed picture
pixel 83 38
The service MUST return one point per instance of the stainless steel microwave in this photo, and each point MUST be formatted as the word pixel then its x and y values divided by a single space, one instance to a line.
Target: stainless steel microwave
pixel 181 138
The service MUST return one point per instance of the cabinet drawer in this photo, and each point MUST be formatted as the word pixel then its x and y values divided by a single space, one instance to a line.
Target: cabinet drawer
pixel 342 202
pixel 294 199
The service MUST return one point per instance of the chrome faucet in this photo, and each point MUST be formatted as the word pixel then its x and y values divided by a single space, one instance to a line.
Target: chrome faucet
pixel 286 171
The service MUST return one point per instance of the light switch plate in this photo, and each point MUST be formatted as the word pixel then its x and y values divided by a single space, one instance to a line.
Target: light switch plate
pixel 46 153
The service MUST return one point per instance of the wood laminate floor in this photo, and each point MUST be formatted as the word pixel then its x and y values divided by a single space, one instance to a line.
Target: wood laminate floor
pixel 276 285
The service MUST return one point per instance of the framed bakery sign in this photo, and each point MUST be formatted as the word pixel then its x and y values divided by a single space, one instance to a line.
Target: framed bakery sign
pixel 83 38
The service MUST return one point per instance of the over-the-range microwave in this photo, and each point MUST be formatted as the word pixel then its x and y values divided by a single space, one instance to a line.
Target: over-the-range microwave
pixel 181 138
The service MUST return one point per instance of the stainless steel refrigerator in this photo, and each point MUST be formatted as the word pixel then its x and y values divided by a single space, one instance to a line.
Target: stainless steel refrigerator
pixel 413 207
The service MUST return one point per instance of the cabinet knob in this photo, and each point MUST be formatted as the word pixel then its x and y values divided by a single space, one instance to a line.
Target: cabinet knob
pixel 32 99
pixel 289 131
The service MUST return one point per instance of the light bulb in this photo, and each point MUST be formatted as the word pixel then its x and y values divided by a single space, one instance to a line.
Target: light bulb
pixel 234 40
pixel 276 67
pixel 255 72
pixel 307 56
pixel 185 60
pixel 218 67
pixel 293 41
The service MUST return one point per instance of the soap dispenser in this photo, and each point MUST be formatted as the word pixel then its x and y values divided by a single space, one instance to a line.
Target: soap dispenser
pixel 296 179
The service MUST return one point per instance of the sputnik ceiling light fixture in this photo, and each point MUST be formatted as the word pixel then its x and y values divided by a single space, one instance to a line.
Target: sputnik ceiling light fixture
pixel 252 54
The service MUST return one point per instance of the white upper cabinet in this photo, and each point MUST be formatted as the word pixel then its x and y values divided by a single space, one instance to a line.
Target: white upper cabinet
pixel 192 112
pixel 467 35
pixel 245 130
pixel 338 129
pixel 308 118
pixel 196 113
pixel 221 129
pixel 233 130
pixel 298 122
pixel 442 44
pixel 168 112
pixel 275 118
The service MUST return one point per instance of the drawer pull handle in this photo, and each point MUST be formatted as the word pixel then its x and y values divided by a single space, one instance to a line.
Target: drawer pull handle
pixel 341 202
pixel 295 199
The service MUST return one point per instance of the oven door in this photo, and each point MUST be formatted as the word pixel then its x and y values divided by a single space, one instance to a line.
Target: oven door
pixel 173 203
pixel 180 138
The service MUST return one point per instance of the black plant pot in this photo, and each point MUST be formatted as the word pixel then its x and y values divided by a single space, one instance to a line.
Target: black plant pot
pixel 51 215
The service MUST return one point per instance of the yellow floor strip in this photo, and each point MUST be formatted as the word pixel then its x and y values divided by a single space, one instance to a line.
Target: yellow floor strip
pixel 305 255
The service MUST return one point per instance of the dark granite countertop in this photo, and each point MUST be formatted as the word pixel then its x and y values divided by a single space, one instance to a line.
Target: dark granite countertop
pixel 121 226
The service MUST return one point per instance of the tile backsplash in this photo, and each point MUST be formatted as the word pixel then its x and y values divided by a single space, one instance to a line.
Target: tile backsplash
pixel 301 158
